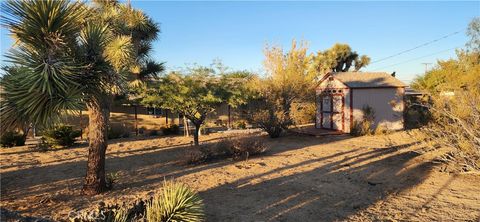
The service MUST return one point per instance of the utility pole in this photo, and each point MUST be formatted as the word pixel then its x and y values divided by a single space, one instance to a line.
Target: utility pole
pixel 426 66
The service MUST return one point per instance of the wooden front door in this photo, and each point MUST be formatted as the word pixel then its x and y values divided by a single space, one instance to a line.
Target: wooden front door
pixel 331 111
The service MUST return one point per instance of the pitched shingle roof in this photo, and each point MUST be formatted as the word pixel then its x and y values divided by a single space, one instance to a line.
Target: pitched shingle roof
pixel 368 79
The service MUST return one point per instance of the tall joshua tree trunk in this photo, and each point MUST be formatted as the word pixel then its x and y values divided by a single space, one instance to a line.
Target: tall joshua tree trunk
pixel 99 113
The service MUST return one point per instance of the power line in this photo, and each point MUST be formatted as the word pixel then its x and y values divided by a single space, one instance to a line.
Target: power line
pixel 421 57
pixel 416 47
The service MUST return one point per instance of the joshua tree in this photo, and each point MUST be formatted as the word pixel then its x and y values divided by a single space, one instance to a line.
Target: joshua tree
pixel 74 54
pixel 340 58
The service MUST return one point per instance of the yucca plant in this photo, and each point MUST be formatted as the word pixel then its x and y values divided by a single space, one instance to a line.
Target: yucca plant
pixel 175 202
pixel 73 55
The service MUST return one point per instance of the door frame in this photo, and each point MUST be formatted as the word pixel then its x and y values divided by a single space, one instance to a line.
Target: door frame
pixel 332 112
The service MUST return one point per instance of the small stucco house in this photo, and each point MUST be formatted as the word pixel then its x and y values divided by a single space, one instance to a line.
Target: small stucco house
pixel 342 97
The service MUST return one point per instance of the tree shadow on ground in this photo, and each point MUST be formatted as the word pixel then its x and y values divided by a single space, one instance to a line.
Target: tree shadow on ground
pixel 145 168
pixel 312 194
pixel 326 192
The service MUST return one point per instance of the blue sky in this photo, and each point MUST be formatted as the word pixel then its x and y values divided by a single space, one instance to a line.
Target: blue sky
pixel 236 32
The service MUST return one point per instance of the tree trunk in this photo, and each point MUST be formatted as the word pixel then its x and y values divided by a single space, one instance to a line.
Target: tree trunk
pixel 99 113
pixel 195 135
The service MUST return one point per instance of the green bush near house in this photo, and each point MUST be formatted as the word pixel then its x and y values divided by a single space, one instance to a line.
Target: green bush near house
pixel 61 135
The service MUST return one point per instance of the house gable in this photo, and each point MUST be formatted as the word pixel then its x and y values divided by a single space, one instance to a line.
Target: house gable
pixel 330 81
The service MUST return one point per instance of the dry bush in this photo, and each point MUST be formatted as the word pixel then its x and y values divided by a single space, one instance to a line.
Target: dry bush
pixel 381 130
pixel 270 119
pixel 416 116
pixel 364 127
pixel 118 130
pixel 192 156
pixel 456 124
pixel 303 113
pixel 240 124
pixel 243 147
pixel 172 129
pixel 235 147
pixel 112 213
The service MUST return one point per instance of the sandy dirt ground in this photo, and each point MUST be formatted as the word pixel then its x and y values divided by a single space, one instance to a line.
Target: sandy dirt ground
pixel 300 178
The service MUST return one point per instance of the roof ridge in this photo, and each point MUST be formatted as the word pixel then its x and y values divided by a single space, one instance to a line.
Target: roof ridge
pixel 368 79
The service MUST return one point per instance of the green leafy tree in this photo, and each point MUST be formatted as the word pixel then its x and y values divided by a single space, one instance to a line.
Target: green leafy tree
pixel 197 93
pixel 72 55
pixel 340 58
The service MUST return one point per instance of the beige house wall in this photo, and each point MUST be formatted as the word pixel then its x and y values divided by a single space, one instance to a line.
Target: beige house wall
pixel 387 104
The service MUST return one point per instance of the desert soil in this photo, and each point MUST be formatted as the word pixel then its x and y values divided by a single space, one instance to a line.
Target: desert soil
pixel 299 178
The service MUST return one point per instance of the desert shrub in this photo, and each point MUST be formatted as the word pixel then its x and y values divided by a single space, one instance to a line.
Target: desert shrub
pixel 116 131
pixel 220 122
pixel 112 213
pixel 141 130
pixel 175 202
pixel 240 147
pixel 416 116
pixel 172 129
pixel 216 150
pixel 43 145
pixel 303 113
pixel 455 124
pixel 270 119
pixel 8 139
pixel 365 126
pixel 193 156
pixel 241 124
pixel 61 135
pixel 11 138
pixel 111 179
pixel 204 130
pixel 381 130
pixel 153 133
